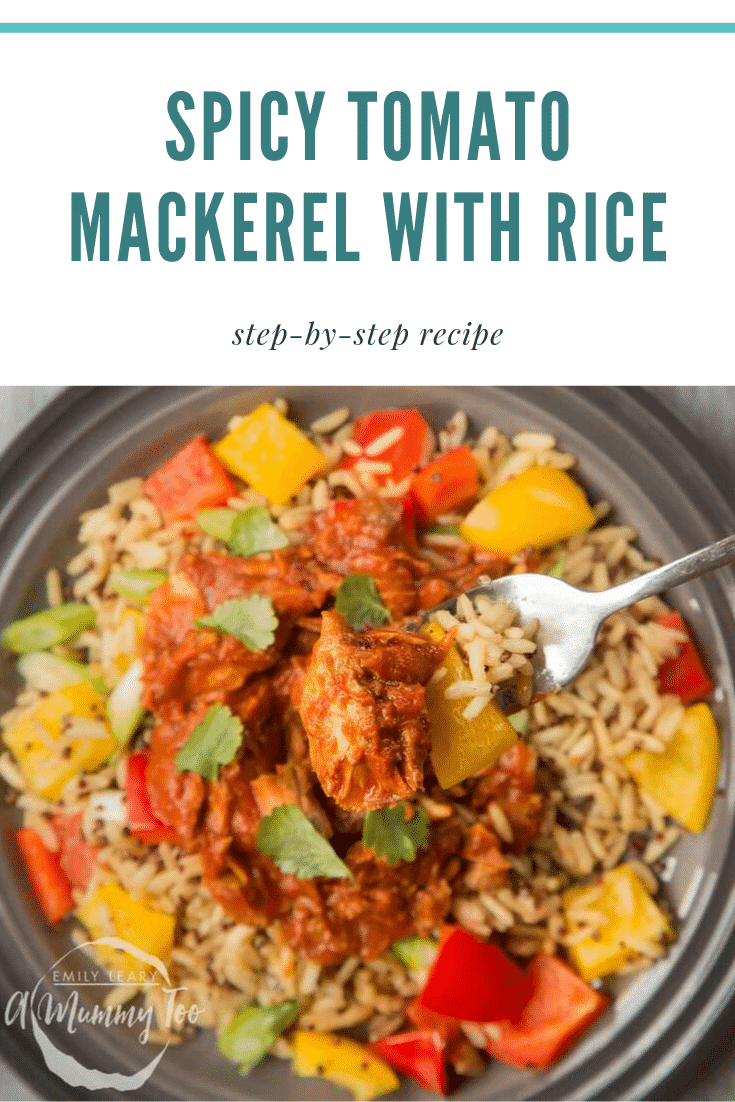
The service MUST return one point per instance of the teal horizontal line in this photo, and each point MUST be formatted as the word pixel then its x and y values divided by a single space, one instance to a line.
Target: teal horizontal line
pixel 367 28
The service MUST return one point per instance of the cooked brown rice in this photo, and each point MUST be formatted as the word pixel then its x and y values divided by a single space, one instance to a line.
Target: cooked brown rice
pixel 595 814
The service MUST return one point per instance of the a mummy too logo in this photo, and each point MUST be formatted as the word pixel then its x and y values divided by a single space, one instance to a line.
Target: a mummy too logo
pixel 77 994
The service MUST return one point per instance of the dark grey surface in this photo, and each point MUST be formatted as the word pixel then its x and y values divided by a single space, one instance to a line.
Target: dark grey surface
pixel 710 415
pixel 18 405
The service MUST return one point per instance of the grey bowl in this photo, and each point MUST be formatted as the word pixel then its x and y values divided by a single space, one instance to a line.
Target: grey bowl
pixel 631 452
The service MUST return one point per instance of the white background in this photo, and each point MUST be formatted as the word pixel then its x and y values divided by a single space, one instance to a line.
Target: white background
pixel 647 113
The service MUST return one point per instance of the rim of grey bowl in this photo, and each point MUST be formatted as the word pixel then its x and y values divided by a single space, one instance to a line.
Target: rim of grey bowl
pixel 689 1021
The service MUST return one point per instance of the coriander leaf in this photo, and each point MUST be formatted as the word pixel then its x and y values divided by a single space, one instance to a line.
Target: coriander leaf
pixel 253 531
pixel 296 845
pixel 389 834
pixel 359 602
pixel 250 619
pixel 212 743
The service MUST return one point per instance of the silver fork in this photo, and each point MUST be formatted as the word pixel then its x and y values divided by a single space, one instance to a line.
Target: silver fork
pixel 569 618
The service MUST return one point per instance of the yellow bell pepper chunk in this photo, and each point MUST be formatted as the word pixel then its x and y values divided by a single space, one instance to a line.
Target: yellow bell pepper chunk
pixel 269 453
pixel 46 755
pixel 113 912
pixel 535 509
pixel 344 1062
pixel 631 916
pixel 461 747
pixel 682 779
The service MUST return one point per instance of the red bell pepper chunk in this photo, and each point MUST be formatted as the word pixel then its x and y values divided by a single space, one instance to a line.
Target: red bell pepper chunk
pixel 141 820
pixel 420 1055
pixel 561 1007
pixel 449 482
pixel 684 675
pixel 424 1019
pixel 77 857
pixel 192 479
pixel 50 883
pixel 411 450
pixel 474 982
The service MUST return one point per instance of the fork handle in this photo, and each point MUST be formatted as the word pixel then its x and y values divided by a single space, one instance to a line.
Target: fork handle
pixel 666 577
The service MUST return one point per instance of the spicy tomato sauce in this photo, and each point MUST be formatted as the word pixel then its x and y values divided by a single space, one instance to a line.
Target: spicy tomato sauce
pixel 189 667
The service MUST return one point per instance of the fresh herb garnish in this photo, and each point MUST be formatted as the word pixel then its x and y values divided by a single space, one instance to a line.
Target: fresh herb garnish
pixel 389 834
pixel 254 531
pixel 125 705
pixel 557 570
pixel 136 585
pixel 252 1032
pixel 296 845
pixel 417 953
pixel 217 522
pixel 359 602
pixel 250 619
pixel 48 628
pixel 246 532
pixel 442 530
pixel 520 721
pixel 212 743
